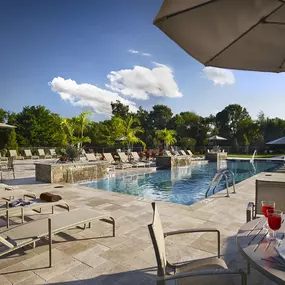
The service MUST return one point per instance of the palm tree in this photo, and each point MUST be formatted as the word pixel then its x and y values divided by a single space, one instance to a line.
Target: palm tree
pixel 68 127
pixel 167 136
pixel 130 131
pixel 81 123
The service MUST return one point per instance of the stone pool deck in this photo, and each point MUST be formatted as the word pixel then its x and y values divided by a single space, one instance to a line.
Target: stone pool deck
pixel 91 257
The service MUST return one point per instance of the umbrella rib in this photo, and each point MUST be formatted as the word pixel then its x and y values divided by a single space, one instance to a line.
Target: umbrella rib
pixel 182 11
pixel 262 20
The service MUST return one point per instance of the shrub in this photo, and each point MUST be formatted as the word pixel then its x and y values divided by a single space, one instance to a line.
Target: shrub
pixel 12 141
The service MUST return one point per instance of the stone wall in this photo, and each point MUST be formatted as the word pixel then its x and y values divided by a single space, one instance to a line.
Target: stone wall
pixel 173 161
pixel 70 172
pixel 213 156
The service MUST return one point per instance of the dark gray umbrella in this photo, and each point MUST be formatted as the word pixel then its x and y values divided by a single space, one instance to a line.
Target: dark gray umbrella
pixel 280 141
pixel 236 34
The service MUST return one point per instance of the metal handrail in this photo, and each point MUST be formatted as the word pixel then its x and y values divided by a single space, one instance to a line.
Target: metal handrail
pixel 218 177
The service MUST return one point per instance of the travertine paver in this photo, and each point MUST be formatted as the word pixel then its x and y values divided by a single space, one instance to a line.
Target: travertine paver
pixel 94 257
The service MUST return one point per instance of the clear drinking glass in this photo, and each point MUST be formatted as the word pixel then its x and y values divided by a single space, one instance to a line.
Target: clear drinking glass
pixel 274 221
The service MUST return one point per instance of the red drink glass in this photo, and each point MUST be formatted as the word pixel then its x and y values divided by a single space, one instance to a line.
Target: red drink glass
pixel 274 221
pixel 267 206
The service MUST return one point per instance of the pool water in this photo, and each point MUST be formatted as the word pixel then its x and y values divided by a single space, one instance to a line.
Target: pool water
pixel 182 185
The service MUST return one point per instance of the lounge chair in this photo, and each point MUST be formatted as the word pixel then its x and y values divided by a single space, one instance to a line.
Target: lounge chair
pixel 37 206
pixel 7 167
pixel 194 158
pixel 53 153
pixel 13 153
pixel 28 154
pixel 124 159
pixel 183 152
pixel 3 158
pixel 8 193
pixel 137 159
pixel 29 233
pixel 109 157
pixel 90 157
pixel 42 154
pixel 205 271
pixel 168 153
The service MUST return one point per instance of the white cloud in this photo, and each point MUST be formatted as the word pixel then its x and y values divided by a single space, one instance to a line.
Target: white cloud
pixel 146 54
pixel 219 76
pixel 141 82
pixel 133 51
pixel 87 95
pixel 139 53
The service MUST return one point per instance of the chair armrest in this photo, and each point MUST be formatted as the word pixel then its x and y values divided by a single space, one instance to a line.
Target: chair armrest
pixel 205 230
pixel 249 212
pixel 207 272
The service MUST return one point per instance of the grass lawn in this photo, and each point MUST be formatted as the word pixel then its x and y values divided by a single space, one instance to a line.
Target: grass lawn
pixel 256 156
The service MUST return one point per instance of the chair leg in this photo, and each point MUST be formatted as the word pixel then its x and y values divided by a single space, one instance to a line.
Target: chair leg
pixel 50 242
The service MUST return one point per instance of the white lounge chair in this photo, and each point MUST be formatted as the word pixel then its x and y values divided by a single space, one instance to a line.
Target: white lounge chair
pixel 194 158
pixel 53 153
pixel 137 159
pixel 8 193
pixel 3 158
pixel 13 153
pixel 168 153
pixel 109 157
pixel 28 154
pixel 127 163
pixel 7 167
pixel 183 152
pixel 205 271
pixel 30 233
pixel 42 154
pixel 90 157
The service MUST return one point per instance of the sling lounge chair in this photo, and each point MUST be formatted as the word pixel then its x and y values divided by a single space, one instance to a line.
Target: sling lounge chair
pixel 37 206
pixel 10 193
pixel 124 159
pixel 42 154
pixel 3 158
pixel 207 271
pixel 183 152
pixel 28 154
pixel 168 153
pixel 29 233
pixel 90 157
pixel 7 167
pixel 108 156
pixel 13 153
pixel 137 159
pixel 53 153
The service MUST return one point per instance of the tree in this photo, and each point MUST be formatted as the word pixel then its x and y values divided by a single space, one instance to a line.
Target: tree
pixel 166 136
pixel 188 143
pixel 81 124
pixel 68 127
pixel 131 127
pixel 160 116
pixel 120 110
pixel 12 140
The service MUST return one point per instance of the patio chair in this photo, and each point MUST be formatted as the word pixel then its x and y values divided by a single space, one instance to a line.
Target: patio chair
pixel 194 158
pixel 37 206
pixel 126 161
pixel 138 160
pixel 205 271
pixel 53 153
pixel 28 154
pixel 31 232
pixel 272 188
pixel 13 153
pixel 109 157
pixel 3 158
pixel 90 157
pixel 168 153
pixel 8 193
pixel 183 152
pixel 42 154
pixel 7 167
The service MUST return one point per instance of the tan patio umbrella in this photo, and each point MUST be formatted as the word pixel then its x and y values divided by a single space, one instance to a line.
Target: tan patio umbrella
pixel 2 125
pixel 236 34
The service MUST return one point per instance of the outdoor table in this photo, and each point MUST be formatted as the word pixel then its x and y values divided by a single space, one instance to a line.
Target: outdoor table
pixel 259 252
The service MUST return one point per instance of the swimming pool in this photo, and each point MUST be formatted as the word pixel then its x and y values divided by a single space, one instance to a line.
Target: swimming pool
pixel 182 185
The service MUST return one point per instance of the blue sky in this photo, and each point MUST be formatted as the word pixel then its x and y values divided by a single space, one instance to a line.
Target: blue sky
pixel 73 55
